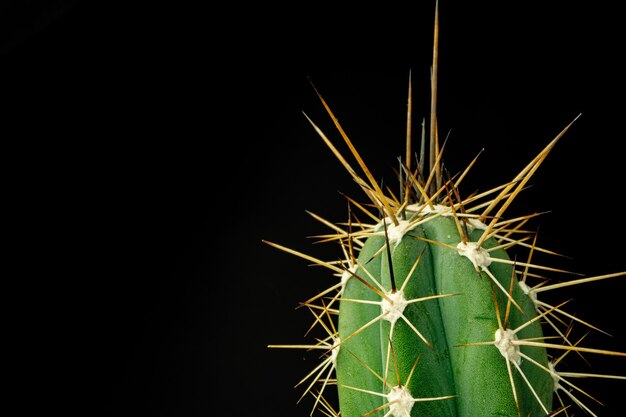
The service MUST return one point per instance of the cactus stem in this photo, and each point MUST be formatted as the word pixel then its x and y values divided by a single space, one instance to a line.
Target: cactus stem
pixel 399 401
pixel 508 344
pixel 392 303
pixel 399 398
pixel 428 191
pixel 479 257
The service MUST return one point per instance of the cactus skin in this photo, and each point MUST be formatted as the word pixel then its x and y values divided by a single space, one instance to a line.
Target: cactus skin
pixel 477 375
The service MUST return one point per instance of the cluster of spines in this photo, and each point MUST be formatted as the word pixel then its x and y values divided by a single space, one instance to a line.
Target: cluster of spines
pixel 424 195
pixel 323 306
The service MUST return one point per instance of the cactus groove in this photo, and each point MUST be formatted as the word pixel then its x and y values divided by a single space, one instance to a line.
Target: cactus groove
pixel 431 314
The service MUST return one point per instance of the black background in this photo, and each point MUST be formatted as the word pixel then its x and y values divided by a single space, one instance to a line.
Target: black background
pixel 149 149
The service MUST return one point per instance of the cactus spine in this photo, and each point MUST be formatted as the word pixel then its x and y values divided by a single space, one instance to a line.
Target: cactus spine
pixel 430 315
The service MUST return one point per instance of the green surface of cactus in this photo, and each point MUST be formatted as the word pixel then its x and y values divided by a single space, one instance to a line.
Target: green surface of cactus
pixel 476 376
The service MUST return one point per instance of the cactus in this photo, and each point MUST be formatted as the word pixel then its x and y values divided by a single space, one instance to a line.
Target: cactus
pixel 431 314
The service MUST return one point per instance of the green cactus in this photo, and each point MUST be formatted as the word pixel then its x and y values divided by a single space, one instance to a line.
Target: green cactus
pixel 430 315
pixel 440 301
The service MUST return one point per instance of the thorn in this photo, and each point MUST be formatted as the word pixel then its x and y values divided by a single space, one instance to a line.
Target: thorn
pixel 433 96
pixel 393 280
pixel 395 362
pixel 508 303
pixel 409 115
